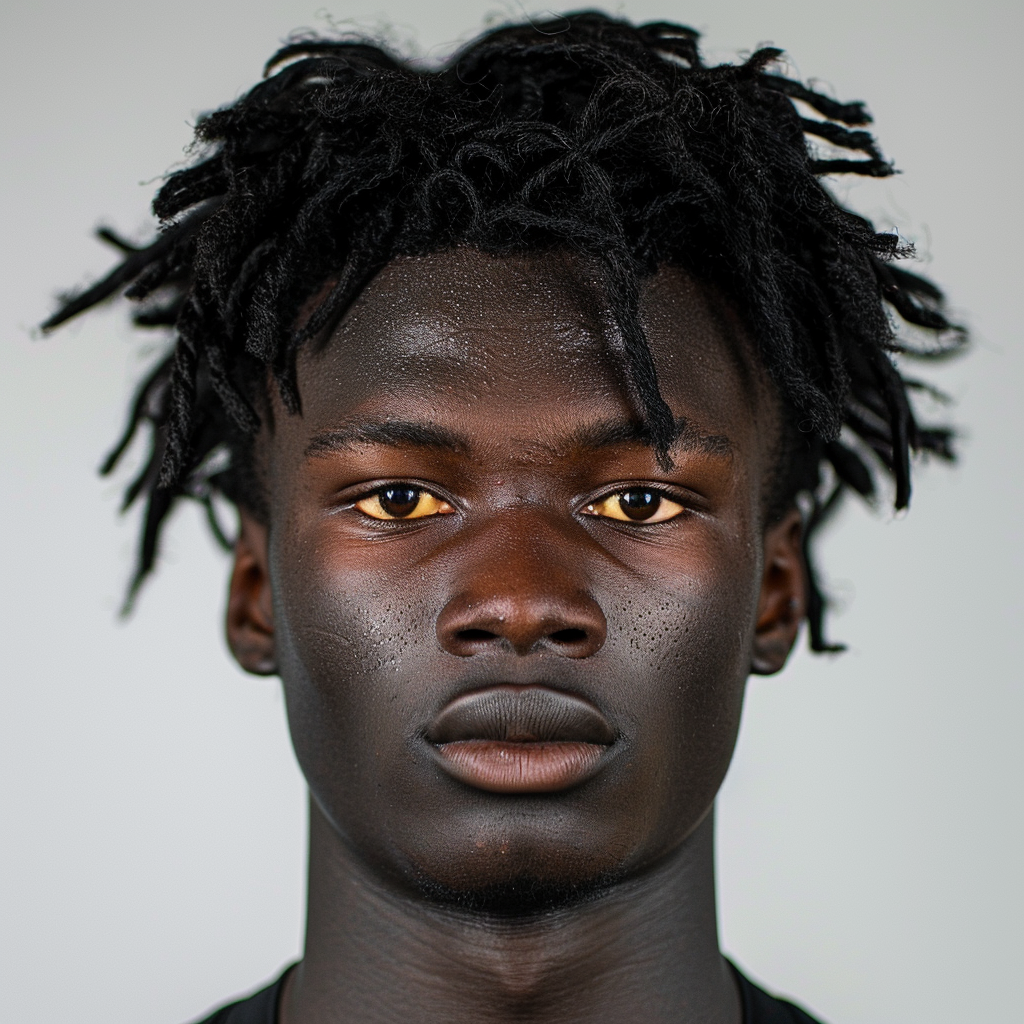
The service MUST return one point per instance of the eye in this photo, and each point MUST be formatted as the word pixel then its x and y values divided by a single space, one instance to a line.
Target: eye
pixel 402 501
pixel 637 505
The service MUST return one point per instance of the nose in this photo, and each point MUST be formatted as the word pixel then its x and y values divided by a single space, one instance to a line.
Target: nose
pixel 522 592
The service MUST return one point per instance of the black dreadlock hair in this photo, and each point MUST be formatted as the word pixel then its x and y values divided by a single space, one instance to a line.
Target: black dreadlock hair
pixel 584 133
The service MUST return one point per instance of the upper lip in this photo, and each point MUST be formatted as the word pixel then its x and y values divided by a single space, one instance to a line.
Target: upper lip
pixel 520 714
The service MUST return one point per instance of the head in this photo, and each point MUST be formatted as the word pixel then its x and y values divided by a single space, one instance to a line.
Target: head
pixel 516 370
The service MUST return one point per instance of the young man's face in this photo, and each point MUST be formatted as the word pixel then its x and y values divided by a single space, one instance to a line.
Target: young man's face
pixel 513 645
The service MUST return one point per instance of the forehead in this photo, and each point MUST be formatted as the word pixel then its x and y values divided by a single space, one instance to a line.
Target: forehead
pixel 532 342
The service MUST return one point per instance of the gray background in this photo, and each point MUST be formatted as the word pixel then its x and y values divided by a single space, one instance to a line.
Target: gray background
pixel 153 818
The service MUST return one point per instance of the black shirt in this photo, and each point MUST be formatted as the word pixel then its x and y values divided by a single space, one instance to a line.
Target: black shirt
pixel 758 1007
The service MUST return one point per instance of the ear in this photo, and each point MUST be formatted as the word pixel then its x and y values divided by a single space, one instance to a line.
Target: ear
pixel 250 616
pixel 783 602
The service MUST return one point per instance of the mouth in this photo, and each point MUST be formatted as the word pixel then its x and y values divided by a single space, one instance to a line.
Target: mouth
pixel 520 739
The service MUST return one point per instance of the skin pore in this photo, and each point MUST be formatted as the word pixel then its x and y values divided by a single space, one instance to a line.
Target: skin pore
pixel 513 645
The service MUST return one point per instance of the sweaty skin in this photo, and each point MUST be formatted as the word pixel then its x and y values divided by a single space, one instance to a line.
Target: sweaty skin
pixel 513 646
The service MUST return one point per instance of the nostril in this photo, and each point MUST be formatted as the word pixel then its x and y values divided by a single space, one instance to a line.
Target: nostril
pixel 475 635
pixel 569 636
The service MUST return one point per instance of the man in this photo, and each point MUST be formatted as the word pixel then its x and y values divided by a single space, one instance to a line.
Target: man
pixel 530 377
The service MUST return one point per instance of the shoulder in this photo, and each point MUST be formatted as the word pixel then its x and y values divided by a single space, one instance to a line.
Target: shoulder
pixel 259 1008
pixel 761 1008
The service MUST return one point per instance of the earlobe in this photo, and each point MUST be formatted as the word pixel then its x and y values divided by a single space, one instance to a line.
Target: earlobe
pixel 783 602
pixel 250 619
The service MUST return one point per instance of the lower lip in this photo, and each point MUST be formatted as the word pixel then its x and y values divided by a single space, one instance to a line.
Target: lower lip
pixel 501 766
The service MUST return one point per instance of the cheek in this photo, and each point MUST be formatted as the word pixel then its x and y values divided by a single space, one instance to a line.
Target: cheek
pixel 689 612
pixel 346 642
pixel 681 645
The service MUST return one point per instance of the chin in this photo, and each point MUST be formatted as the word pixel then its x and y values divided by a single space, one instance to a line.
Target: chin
pixel 516 876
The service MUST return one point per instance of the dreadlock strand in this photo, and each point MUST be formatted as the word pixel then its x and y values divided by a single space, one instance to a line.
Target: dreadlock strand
pixel 120 276
pixel 182 394
pixel 149 403
pixel 623 289
pixel 840 136
pixel 817 603
pixel 847 113
pixel 161 501
pixel 865 168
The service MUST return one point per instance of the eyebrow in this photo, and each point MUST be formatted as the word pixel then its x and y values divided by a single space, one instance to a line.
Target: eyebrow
pixel 686 436
pixel 606 434
pixel 391 434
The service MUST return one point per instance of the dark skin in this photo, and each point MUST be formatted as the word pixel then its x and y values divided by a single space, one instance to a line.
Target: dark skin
pixel 467 509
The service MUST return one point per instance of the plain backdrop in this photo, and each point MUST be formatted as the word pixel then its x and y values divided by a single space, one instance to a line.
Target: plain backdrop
pixel 153 818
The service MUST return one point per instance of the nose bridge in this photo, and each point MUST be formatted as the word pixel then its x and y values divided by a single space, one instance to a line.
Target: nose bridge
pixel 522 586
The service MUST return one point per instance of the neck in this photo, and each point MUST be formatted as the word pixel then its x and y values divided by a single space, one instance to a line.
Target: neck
pixel 646 949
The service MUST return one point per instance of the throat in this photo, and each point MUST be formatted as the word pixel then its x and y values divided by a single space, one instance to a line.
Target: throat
pixel 636 948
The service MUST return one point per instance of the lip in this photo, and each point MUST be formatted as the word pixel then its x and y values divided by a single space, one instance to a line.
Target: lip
pixel 520 739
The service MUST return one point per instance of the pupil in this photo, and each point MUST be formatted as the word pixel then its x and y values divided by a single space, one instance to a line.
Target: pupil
pixel 399 501
pixel 639 504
